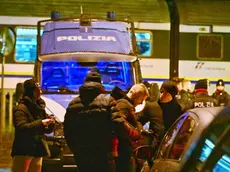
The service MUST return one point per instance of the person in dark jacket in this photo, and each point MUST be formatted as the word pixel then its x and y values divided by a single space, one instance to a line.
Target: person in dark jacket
pixel 168 103
pixel 150 116
pixel 185 95
pixel 201 97
pixel 152 113
pixel 220 94
pixel 88 126
pixel 126 114
pixel 31 123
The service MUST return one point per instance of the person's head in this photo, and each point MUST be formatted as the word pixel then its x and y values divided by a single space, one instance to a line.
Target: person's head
pixel 138 93
pixel 187 85
pixel 168 91
pixel 220 85
pixel 154 91
pixel 93 76
pixel 202 84
pixel 178 82
pixel 32 89
pixel 19 91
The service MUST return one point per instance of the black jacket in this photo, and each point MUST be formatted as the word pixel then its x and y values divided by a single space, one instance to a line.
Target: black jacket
pixel 202 99
pixel 152 113
pixel 124 118
pixel 184 98
pixel 87 122
pixel 171 111
pixel 29 130
pixel 223 98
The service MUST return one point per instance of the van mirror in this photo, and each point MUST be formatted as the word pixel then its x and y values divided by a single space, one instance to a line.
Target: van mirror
pixel 7 41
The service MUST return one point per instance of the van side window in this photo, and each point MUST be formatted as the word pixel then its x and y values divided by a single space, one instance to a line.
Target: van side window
pixel 26 44
pixel 144 42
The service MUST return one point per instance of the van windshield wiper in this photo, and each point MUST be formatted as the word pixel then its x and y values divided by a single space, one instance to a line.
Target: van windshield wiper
pixel 59 89
pixel 64 89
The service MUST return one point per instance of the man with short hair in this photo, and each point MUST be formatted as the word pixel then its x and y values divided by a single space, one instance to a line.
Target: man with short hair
pixel 126 107
pixel 168 103
pixel 152 113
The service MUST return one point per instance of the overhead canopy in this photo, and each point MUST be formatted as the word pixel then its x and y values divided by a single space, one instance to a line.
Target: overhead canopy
pixel 204 12
pixel 139 10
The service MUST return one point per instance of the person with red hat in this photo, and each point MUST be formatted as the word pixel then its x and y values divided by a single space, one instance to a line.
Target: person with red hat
pixel 201 97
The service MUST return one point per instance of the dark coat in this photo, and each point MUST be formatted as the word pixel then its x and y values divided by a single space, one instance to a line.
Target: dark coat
pixel 88 128
pixel 223 98
pixel 184 98
pixel 29 130
pixel 152 113
pixel 202 99
pixel 171 111
pixel 126 131
pixel 88 119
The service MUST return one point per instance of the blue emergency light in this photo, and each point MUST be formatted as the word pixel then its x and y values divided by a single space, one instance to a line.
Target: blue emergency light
pixel 111 14
pixel 55 15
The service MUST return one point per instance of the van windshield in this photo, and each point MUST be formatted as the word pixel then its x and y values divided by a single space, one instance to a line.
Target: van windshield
pixel 59 76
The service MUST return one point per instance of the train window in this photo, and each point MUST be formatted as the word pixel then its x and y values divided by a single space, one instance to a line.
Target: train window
pixel 144 42
pixel 209 46
pixel 26 44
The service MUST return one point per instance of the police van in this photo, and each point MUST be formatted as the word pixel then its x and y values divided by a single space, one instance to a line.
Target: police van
pixel 68 48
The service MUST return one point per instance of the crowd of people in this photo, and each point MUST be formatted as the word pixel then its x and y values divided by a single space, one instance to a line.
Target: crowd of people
pixel 103 130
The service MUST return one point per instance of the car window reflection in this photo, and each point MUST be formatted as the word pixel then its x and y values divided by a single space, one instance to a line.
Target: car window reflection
pixel 182 138
pixel 168 139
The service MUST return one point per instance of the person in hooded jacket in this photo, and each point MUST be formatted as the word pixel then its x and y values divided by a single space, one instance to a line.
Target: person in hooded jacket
pixel 88 126
pixel 31 123
pixel 89 129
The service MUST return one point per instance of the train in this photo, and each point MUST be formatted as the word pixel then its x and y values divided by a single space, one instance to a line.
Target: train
pixel 203 51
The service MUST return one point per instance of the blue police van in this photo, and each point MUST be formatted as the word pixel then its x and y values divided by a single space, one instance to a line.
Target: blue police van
pixel 67 49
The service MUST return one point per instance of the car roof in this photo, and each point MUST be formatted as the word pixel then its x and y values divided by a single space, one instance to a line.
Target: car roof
pixel 191 155
pixel 206 115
